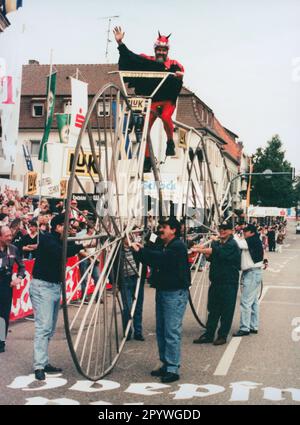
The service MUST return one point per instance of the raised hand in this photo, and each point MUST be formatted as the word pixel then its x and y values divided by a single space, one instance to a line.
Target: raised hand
pixel 119 34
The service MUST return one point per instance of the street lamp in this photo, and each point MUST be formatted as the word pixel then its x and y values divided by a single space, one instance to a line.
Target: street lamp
pixel 266 173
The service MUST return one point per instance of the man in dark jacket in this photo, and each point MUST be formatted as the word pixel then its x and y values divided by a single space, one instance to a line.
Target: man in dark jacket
pixel 9 255
pixel 225 262
pixel 171 277
pixel 45 291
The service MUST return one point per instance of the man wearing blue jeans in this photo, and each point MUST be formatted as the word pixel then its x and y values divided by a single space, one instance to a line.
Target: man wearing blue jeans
pixel 128 289
pixel 45 291
pixel 252 262
pixel 171 277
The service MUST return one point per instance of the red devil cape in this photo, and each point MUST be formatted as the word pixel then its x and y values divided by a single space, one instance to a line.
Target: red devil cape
pixel 130 61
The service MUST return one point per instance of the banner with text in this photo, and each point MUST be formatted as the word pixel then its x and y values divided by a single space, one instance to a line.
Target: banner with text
pixel 79 108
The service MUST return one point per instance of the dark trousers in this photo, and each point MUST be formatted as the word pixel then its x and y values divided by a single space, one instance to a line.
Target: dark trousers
pixel 272 245
pixel 221 306
pixel 127 293
pixel 6 292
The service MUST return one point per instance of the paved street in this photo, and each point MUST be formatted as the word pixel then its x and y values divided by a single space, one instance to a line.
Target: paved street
pixel 258 369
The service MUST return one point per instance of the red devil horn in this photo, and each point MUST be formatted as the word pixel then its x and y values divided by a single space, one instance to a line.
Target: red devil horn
pixel 159 35
pixel 168 36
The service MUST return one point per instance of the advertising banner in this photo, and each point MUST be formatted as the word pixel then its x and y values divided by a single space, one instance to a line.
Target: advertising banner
pixel 21 304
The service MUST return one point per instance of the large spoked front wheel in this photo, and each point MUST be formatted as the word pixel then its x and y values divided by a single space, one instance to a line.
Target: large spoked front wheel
pixel 97 315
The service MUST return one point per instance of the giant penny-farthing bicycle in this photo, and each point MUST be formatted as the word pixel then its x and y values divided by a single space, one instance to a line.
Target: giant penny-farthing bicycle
pixel 95 328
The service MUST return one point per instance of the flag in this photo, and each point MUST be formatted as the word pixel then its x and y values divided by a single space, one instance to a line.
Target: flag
pixel 10 91
pixel 51 88
pixel 11 6
pixel 27 158
pixel 63 125
pixel 79 108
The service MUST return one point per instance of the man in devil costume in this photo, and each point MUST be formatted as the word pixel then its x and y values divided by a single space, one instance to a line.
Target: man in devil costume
pixel 164 101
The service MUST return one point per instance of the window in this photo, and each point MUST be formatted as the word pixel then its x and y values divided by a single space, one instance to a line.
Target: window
pixel 38 109
pixel 101 109
pixel 34 147
pixel 67 107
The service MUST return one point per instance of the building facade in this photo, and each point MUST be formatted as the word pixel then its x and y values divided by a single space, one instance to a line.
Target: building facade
pixel 221 144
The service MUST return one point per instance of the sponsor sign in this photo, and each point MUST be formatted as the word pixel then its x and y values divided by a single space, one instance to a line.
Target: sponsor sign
pixel 21 303
pixel 32 183
pixel 85 164
pixel 138 104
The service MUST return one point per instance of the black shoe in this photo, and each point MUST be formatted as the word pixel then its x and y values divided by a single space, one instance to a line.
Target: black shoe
pixel 2 347
pixel 170 151
pixel 40 374
pixel 51 369
pixel 147 165
pixel 253 331
pixel 242 333
pixel 170 377
pixel 139 338
pixel 203 339
pixel 220 341
pixel 158 373
pixel 128 337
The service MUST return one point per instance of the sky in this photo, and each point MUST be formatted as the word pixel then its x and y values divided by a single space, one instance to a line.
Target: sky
pixel 241 57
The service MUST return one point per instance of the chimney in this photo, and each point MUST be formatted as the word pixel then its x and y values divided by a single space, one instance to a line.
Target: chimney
pixel 33 62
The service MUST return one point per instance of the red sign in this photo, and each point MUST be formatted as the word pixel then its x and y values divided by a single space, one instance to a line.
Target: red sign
pixel 21 304
pixel 79 120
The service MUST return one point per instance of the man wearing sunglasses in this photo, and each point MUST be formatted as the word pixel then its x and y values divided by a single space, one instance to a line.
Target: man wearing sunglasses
pixel 225 262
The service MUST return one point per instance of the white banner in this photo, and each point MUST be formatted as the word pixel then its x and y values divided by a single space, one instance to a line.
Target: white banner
pixel 267 211
pixel 9 188
pixel 10 89
pixel 79 108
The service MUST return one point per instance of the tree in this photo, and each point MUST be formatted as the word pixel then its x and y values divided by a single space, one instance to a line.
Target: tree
pixel 277 191
pixel 297 193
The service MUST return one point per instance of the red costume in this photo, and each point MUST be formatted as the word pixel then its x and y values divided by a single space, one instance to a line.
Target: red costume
pixel 163 108
pixel 164 101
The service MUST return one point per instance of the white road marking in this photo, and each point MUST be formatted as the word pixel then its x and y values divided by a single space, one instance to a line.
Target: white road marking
pixel 226 360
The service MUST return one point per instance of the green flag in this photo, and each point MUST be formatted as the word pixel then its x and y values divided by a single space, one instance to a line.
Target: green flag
pixel 49 116
pixel 63 125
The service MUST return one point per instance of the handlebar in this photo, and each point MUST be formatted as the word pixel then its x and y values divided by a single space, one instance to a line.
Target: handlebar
pixel 142 74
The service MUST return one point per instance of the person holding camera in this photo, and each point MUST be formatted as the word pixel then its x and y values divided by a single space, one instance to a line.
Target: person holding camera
pixel 252 264
pixel 9 255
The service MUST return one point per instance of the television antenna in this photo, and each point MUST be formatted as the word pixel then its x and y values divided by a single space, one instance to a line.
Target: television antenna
pixel 108 40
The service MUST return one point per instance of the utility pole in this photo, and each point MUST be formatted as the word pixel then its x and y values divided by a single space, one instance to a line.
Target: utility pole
pixel 108 40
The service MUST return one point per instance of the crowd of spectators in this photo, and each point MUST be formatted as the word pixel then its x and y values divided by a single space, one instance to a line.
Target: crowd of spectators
pixel 29 217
